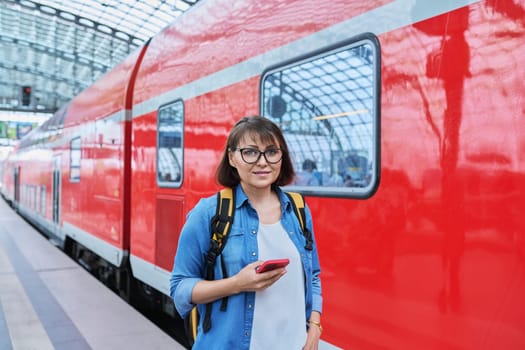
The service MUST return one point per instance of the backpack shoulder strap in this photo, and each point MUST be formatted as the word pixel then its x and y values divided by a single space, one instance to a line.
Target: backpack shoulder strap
pixel 222 222
pixel 299 210
pixel 221 225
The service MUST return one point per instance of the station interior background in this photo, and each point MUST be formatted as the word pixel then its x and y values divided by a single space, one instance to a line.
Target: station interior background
pixel 51 50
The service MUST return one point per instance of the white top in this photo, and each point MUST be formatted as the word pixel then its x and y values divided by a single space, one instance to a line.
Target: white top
pixel 279 316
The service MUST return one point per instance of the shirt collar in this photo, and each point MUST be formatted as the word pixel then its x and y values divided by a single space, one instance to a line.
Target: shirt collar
pixel 241 198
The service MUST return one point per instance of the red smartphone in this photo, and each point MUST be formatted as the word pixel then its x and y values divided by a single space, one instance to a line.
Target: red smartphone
pixel 269 265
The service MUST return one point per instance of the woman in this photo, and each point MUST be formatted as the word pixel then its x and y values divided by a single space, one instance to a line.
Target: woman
pixel 278 309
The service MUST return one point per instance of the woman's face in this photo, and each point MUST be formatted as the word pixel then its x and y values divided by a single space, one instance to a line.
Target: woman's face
pixel 261 174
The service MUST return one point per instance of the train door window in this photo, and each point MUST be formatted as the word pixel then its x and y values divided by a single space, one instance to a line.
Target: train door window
pixel 31 189
pixel 36 207
pixel 74 162
pixel 170 137
pixel 23 194
pixel 328 108
pixel 43 200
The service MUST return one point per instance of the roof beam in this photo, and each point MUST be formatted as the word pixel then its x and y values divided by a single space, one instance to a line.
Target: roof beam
pixel 52 51
pixel 79 21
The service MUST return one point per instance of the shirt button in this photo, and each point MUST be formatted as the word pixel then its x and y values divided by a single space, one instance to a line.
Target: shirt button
pixel 254 253
pixel 247 334
pixel 249 306
pixel 254 232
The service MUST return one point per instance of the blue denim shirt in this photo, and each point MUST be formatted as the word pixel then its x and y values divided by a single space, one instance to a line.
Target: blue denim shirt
pixel 231 329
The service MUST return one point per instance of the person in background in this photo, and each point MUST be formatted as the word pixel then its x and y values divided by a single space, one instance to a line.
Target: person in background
pixel 278 309
pixel 307 177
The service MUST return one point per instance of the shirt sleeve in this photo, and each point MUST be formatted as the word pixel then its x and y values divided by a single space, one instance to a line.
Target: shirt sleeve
pixel 317 298
pixel 189 263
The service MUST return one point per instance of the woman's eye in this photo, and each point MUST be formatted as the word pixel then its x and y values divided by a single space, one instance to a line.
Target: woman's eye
pixel 250 152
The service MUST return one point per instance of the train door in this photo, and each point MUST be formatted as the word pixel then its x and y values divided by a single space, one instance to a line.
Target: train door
pixel 57 184
pixel 16 187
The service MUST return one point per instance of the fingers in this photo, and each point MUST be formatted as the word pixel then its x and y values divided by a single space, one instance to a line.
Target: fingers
pixel 273 273
pixel 249 280
pixel 266 279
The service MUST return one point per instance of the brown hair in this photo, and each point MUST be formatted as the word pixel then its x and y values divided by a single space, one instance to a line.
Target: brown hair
pixel 267 131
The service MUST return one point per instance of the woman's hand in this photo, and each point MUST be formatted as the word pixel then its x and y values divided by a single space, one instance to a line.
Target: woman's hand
pixel 248 280
pixel 312 338
pixel 314 332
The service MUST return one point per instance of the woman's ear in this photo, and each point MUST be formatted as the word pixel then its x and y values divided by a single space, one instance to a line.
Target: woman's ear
pixel 231 160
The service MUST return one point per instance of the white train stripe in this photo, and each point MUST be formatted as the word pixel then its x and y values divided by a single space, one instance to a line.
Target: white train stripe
pixel 107 251
pixel 380 20
pixel 150 274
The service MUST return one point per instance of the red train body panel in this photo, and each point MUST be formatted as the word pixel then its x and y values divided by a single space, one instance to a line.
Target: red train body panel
pixel 427 251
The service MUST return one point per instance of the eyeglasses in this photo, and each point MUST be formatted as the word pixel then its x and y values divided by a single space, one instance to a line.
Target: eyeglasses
pixel 252 155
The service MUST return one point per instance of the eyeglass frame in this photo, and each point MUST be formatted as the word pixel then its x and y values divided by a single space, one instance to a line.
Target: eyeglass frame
pixel 263 153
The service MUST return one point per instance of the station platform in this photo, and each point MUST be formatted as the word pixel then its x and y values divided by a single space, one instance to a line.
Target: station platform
pixel 47 301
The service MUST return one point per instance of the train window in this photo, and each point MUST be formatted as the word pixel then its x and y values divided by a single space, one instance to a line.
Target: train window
pixel 43 200
pixel 328 108
pixel 74 163
pixel 32 192
pixel 170 139
pixel 36 195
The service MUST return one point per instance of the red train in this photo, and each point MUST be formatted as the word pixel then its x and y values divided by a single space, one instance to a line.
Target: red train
pixel 408 115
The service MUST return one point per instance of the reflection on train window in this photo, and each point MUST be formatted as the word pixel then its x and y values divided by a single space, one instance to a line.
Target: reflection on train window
pixel 169 144
pixel 327 107
pixel 74 163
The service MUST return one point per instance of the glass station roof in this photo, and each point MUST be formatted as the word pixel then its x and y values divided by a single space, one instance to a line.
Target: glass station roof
pixel 60 47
